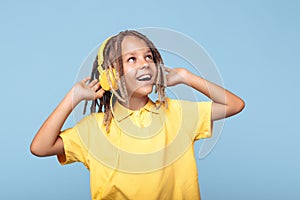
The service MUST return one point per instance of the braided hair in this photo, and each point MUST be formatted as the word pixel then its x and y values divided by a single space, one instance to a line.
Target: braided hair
pixel 112 54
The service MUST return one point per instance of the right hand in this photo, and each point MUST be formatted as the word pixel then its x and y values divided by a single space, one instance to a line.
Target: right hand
pixel 87 91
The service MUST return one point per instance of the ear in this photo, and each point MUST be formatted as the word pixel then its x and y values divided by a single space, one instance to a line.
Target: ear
pixel 104 81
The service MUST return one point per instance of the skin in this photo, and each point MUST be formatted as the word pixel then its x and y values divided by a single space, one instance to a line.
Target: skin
pixel 137 61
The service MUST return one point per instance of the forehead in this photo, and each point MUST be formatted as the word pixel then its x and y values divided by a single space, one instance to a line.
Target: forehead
pixel 131 44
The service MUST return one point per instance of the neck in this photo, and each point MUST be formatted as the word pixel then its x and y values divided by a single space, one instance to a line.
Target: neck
pixel 136 103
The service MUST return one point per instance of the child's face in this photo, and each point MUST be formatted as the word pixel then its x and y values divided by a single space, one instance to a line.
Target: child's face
pixel 138 65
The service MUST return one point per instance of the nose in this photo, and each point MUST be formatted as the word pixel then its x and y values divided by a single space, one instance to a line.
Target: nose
pixel 144 66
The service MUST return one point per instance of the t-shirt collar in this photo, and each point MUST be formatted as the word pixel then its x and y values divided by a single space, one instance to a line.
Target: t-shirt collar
pixel 120 112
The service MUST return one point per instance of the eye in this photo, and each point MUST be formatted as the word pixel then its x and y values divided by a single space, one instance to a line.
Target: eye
pixel 149 57
pixel 131 60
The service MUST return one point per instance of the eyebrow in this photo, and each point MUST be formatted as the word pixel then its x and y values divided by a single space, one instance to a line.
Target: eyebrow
pixel 134 52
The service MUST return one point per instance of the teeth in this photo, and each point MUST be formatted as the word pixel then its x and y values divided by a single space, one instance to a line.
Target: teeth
pixel 145 77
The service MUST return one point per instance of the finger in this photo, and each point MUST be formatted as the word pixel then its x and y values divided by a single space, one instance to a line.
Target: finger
pixel 93 83
pixel 99 93
pixel 85 79
pixel 167 69
pixel 96 86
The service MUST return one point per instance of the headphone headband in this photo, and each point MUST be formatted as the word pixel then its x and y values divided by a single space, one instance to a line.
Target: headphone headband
pixel 105 75
pixel 100 54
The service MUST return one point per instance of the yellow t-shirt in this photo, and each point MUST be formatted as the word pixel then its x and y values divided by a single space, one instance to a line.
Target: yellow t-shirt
pixel 148 154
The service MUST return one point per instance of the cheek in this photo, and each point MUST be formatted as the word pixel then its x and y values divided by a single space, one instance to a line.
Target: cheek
pixel 154 69
pixel 129 79
pixel 127 69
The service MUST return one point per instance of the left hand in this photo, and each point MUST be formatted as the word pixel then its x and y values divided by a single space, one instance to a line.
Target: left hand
pixel 177 76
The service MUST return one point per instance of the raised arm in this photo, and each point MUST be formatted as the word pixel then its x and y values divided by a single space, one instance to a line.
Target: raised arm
pixel 225 103
pixel 47 141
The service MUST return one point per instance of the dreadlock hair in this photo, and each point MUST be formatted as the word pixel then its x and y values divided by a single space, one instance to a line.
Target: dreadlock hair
pixel 112 55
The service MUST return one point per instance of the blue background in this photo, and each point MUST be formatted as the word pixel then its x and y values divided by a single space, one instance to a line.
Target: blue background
pixel 255 45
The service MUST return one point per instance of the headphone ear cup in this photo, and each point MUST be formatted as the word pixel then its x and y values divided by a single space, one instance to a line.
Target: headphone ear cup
pixel 104 82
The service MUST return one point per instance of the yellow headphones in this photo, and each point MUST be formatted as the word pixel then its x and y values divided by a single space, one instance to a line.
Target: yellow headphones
pixel 103 78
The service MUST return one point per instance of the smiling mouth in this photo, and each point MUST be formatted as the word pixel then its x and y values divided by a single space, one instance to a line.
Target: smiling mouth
pixel 144 77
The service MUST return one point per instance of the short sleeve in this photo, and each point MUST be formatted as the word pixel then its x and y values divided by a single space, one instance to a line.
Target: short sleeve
pixel 75 140
pixel 204 128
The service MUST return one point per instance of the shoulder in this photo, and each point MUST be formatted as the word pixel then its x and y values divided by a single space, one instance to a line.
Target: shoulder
pixel 91 119
pixel 179 102
pixel 186 106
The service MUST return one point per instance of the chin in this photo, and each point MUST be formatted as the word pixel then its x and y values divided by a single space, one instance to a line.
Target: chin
pixel 144 91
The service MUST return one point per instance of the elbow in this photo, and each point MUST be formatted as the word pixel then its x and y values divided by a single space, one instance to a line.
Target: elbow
pixel 242 105
pixel 239 105
pixel 235 107
pixel 36 150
